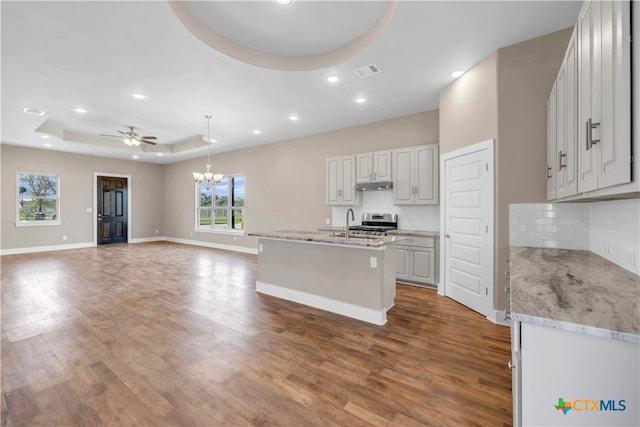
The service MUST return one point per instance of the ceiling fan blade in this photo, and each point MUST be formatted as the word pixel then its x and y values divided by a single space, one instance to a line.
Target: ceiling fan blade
pixel 124 133
pixel 148 142
pixel 110 136
pixel 148 137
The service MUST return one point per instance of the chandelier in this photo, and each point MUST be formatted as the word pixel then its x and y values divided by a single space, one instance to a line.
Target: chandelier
pixel 208 176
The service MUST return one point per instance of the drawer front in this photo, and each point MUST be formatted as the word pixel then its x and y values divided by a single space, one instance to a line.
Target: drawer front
pixel 425 242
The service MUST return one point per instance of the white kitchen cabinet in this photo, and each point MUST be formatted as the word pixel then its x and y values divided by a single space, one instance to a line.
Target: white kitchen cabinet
pixel 415 175
pixel 604 94
pixel 552 172
pixel 373 167
pixel 415 260
pixel 567 123
pixel 550 364
pixel 341 177
pixel 562 128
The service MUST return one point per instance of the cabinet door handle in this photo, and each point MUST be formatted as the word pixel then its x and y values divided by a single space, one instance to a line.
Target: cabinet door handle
pixel 374 176
pixel 370 177
pixel 560 163
pixel 549 169
pixel 590 140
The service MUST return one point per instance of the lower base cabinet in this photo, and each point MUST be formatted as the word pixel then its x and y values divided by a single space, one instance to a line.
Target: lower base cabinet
pixel 415 260
pixel 565 378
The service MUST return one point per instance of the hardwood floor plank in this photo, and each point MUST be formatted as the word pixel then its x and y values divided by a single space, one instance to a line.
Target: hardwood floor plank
pixel 169 334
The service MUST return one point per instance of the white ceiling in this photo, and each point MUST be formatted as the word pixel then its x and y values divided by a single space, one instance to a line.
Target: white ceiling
pixel 57 56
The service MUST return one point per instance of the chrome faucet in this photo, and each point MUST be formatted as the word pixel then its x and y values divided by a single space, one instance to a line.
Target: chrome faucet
pixel 353 218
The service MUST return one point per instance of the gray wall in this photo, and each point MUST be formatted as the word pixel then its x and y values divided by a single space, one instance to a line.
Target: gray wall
pixel 504 97
pixel 285 181
pixel 76 192
pixel 285 185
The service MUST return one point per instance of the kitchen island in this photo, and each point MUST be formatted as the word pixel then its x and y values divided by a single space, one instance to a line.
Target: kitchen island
pixel 351 276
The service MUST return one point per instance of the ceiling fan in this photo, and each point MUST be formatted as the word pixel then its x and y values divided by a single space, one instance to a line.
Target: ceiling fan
pixel 131 138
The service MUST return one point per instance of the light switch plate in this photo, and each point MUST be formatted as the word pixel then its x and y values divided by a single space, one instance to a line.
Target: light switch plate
pixel 373 262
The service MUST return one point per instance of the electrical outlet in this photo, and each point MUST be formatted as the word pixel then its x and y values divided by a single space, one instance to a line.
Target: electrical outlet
pixel 260 247
pixel 89 210
pixel 64 237
pixel 328 221
pixel 157 231
pixel 373 262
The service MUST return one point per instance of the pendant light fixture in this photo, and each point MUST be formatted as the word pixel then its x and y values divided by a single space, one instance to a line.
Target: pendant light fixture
pixel 208 176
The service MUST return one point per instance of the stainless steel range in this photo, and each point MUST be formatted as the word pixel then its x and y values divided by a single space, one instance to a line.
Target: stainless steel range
pixel 375 224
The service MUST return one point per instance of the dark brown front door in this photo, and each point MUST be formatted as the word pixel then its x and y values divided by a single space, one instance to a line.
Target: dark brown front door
pixel 112 210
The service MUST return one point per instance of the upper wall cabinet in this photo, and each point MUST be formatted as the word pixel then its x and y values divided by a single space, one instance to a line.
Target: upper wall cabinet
pixel 341 177
pixel 604 94
pixel 589 109
pixel 415 175
pixel 562 127
pixel 373 167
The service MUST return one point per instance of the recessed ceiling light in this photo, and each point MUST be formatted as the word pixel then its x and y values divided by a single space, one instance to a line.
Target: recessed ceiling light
pixel 79 110
pixel 135 157
pixel 283 2
pixel 334 78
pixel 138 96
pixel 45 136
pixel 47 145
pixel 294 118
pixel 33 111
pixel 361 100
pixel 457 73
pixel 159 154
pixel 257 131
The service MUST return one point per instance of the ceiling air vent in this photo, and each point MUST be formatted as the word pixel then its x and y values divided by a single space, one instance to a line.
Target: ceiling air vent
pixel 367 70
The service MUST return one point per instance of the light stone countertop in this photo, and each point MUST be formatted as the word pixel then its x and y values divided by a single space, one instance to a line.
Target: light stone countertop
pixel 416 233
pixel 575 290
pixel 323 237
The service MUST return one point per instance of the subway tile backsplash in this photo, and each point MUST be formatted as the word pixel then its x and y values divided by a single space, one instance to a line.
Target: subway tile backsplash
pixel 610 229
pixel 549 225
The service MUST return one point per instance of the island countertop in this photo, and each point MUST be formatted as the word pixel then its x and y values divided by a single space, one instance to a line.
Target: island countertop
pixel 415 233
pixel 319 237
pixel 574 290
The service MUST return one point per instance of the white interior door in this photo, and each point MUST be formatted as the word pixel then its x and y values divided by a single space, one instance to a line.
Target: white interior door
pixel 468 226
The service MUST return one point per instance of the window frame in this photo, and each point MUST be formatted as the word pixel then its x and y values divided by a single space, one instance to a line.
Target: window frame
pixel 209 229
pixel 57 198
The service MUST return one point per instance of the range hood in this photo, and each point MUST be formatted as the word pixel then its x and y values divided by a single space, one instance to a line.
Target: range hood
pixel 369 186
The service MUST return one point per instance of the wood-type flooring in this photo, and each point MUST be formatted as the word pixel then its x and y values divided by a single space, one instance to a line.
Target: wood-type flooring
pixel 164 334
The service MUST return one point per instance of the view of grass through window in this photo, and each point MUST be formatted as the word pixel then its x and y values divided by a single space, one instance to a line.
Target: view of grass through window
pixel 221 206
pixel 37 197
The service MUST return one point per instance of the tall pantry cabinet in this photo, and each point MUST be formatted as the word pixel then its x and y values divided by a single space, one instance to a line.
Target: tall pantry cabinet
pixel 589 109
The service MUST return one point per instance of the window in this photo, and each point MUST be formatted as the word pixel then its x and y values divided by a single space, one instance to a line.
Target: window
pixel 221 206
pixel 38 199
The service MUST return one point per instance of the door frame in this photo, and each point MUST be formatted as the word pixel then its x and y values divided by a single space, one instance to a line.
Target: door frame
pixel 488 145
pixel 95 204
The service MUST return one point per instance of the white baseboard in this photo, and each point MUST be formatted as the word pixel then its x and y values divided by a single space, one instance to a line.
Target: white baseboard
pixel 242 249
pixel 377 317
pixel 148 239
pixel 33 249
pixel 497 317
